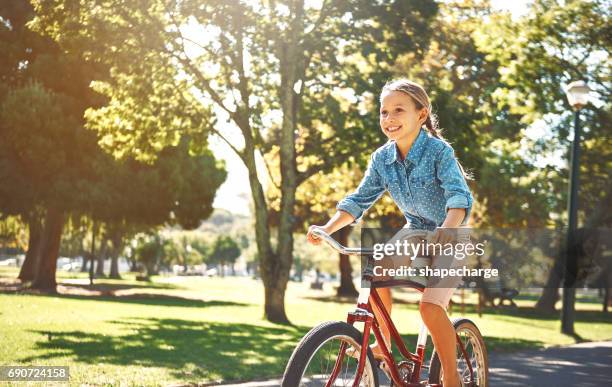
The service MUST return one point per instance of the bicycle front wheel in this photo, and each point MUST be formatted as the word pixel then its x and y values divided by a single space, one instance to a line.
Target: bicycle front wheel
pixel 476 352
pixel 314 359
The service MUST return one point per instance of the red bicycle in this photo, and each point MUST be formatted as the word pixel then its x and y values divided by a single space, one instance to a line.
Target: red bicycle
pixel 320 359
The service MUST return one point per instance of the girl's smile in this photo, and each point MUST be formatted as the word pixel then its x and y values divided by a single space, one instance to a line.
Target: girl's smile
pixel 392 129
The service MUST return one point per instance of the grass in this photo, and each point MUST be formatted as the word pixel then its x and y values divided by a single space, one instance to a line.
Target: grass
pixel 194 330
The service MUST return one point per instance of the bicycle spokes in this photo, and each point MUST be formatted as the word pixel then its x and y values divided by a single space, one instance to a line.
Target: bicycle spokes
pixel 469 363
pixel 330 365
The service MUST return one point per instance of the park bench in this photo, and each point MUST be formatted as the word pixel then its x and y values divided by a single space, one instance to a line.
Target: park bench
pixel 494 290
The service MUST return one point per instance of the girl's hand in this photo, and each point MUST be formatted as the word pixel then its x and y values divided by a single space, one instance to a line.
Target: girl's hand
pixel 311 238
pixel 447 233
pixel 443 235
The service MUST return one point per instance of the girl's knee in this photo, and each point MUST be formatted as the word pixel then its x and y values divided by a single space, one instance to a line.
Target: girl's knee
pixel 427 309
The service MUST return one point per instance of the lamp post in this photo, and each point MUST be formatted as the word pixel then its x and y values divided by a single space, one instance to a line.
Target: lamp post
pixel 578 96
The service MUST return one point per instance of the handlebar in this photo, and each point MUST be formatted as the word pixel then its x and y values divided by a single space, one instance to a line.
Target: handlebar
pixel 319 233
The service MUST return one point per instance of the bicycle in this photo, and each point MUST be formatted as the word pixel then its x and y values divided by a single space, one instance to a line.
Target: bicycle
pixel 320 359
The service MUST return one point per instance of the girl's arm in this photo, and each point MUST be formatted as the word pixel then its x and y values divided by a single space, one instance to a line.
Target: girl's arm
pixel 454 217
pixel 447 232
pixel 457 194
pixel 335 223
pixel 352 207
pixel 456 191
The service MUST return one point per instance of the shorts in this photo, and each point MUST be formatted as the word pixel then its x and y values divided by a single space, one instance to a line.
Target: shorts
pixel 438 290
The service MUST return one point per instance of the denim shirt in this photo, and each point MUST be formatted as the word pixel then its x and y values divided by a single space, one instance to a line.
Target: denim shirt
pixel 424 185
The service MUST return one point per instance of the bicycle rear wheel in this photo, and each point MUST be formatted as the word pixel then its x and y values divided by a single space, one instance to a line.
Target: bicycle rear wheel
pixel 476 356
pixel 313 360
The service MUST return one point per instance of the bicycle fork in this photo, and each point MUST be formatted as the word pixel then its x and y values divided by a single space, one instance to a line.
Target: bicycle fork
pixel 361 314
pixel 367 318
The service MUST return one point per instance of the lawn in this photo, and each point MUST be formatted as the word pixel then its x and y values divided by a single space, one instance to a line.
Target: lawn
pixel 178 330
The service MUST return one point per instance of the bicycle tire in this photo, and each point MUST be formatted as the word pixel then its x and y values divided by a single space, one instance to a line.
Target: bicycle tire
pixel 465 325
pixel 314 340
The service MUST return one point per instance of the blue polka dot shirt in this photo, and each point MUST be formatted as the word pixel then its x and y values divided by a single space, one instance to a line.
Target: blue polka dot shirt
pixel 424 185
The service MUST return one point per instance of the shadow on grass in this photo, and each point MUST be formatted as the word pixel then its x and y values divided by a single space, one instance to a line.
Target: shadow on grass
pixel 190 350
pixel 14 284
pixel 153 299
pixel 195 351
pixel 156 299
pixel 120 292
pixel 116 285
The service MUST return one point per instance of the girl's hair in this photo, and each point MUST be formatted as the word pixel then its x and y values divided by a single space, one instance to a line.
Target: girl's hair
pixel 421 100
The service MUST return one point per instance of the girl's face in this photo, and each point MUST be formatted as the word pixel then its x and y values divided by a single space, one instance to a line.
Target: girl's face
pixel 399 117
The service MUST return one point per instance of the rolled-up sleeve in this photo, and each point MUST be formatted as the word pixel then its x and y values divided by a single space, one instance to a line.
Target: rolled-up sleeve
pixel 367 193
pixel 456 191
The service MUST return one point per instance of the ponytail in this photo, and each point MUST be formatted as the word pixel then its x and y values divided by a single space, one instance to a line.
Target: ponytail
pixel 431 124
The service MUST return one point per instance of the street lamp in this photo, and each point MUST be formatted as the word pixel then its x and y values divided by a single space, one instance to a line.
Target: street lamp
pixel 578 96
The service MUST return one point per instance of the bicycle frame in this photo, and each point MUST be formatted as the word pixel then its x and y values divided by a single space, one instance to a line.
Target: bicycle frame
pixel 369 296
pixel 364 313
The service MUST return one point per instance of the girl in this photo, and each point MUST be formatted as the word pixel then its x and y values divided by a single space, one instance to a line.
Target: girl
pixel 419 170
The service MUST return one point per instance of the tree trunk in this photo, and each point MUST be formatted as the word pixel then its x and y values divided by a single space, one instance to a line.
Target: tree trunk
pixel 102 252
pixel 275 266
pixel 347 287
pixel 278 266
pixel 114 268
pixel 550 293
pixel 47 264
pixel 28 268
pixel 116 240
pixel 92 255
pixel 85 262
pixel 84 255
pixel 608 293
pixel 274 307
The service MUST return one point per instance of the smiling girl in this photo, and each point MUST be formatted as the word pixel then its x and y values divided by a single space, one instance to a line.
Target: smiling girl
pixel 419 170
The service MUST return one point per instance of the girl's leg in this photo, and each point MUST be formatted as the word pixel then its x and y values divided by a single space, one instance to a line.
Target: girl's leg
pixel 385 296
pixel 443 336
pixel 433 305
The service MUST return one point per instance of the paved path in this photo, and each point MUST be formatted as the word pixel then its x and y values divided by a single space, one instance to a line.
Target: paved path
pixel 584 365
pixel 578 365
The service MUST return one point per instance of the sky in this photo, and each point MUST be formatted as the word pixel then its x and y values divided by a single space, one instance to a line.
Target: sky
pixel 234 195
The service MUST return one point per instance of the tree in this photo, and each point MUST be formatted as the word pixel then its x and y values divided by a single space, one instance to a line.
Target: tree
pixel 12 234
pixel 39 136
pixel 259 60
pixel 185 249
pixel 51 167
pixel 538 54
pixel 33 136
pixel 225 251
pixel 179 188
pixel 149 251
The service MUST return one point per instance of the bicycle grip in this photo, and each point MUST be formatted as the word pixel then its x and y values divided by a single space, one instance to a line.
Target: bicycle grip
pixel 317 233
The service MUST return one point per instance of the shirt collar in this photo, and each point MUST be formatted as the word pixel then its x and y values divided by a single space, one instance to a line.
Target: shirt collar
pixel 415 152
